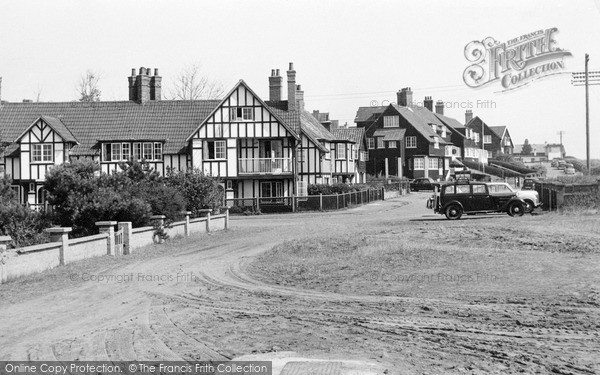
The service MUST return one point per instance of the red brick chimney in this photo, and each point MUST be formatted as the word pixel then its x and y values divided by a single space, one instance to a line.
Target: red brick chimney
pixel 139 86
pixel 428 103
pixel 155 86
pixel 468 116
pixel 439 107
pixel 404 97
pixel 291 74
pixel 299 98
pixel 275 81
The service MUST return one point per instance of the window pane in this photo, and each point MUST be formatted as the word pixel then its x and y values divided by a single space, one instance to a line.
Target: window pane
pixel 126 151
pixel 220 150
pixel 380 142
pixel 479 189
pixel 463 189
pixel 158 151
pixel 137 151
pixel 248 114
pixel 116 152
pixel 148 151
pixel 449 189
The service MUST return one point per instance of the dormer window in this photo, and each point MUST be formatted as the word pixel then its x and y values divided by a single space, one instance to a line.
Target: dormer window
pixel 241 113
pixel 138 151
pixel 41 153
pixel 391 121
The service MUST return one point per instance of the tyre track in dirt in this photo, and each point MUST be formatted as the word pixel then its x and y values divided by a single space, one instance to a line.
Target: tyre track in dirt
pixel 173 320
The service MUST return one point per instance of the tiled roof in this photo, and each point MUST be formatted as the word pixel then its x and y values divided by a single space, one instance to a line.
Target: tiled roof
pixel 368 113
pixel 498 130
pixel 60 128
pixel 452 123
pixel 418 119
pixel 390 134
pixel 302 121
pixel 172 121
pixel 355 135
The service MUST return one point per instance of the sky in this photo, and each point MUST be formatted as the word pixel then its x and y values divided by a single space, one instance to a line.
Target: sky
pixel 347 54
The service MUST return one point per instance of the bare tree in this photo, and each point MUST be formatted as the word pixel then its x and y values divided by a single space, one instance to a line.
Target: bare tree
pixel 38 93
pixel 88 87
pixel 190 84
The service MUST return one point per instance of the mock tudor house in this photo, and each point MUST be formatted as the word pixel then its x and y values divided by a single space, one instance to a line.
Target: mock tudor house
pixel 257 148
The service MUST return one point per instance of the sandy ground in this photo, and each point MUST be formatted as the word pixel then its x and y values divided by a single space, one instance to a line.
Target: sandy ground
pixel 195 300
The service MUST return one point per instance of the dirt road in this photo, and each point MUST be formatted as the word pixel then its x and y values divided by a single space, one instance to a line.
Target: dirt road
pixel 194 300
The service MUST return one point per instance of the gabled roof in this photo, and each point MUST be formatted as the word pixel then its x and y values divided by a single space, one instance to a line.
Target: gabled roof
pixel 452 124
pixel 242 83
pixel 368 113
pixel 498 130
pixel 314 130
pixel 355 135
pixel 172 120
pixel 418 121
pixel 304 121
pixel 56 125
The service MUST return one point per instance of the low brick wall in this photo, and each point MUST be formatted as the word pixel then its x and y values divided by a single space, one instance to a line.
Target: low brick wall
pixel 141 237
pixel 27 260
pixel 86 247
pixel 15 263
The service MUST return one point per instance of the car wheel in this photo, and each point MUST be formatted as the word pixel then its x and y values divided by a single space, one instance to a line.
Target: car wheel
pixel 528 208
pixel 453 212
pixel 516 209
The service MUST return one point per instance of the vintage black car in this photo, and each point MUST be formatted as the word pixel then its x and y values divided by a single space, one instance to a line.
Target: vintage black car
pixel 423 183
pixel 469 197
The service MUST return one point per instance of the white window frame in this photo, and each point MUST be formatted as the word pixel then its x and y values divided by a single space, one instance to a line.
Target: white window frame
pixel 42 153
pixel 391 121
pixel 116 152
pixel 147 151
pixel 380 143
pixel 487 139
pixel 340 151
pixel 411 141
pixel 241 113
pixel 436 142
pixel 219 149
pixel 434 163
pixel 392 144
pixel 444 134
pixel 158 151
pixel 371 143
pixel 419 164
pixel 354 150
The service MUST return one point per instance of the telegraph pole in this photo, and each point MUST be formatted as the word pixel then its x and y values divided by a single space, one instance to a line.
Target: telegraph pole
pixel 586 78
pixel 587 114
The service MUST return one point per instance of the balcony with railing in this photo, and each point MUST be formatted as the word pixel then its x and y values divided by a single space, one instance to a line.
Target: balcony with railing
pixel 265 166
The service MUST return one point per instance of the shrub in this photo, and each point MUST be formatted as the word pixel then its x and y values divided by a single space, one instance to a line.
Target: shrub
pixel 23 225
pixel 81 197
pixel 198 190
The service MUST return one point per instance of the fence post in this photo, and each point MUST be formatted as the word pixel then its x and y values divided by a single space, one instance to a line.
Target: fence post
pixel 226 209
pixel 257 204
pixel 4 241
pixel 293 203
pixel 186 226
pixel 320 201
pixel 60 235
pixel 108 227
pixel 126 227
pixel 337 201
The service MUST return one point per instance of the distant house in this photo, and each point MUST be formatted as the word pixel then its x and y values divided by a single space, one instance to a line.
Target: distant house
pixel 540 152
pixel 404 140
pixel 496 139
pixel 257 148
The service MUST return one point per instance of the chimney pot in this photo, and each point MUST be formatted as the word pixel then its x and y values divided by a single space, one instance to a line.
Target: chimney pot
pixel 155 71
pixel 277 72
pixel 133 72
pixel 291 66
pixel 141 71
pixel 272 72
pixel 291 73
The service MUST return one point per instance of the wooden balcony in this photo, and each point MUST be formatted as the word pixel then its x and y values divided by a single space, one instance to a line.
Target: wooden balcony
pixel 265 166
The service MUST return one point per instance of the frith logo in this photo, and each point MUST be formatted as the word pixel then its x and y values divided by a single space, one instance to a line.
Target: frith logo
pixel 514 63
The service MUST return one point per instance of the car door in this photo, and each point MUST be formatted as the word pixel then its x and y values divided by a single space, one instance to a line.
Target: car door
pixel 480 199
